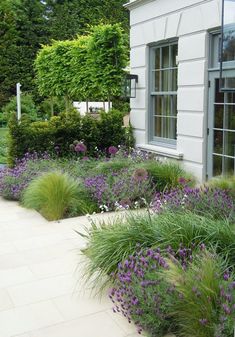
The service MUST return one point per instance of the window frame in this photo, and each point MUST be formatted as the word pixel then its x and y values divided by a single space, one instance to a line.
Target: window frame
pixel 160 141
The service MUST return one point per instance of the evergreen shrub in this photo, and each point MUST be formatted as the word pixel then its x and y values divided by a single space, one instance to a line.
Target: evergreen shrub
pixel 56 135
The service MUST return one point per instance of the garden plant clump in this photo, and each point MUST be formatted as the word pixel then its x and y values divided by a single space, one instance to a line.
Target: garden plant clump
pixel 182 291
pixel 204 200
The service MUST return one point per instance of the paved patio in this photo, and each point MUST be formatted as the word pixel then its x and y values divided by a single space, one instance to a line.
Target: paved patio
pixel 40 292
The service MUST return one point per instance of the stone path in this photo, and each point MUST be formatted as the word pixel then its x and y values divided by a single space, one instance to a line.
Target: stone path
pixel 40 291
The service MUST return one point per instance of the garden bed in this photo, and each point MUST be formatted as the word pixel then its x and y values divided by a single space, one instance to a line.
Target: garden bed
pixel 170 262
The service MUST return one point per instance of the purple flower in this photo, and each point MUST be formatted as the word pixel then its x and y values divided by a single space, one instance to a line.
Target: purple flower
pixel 226 276
pixel 80 147
pixel 112 150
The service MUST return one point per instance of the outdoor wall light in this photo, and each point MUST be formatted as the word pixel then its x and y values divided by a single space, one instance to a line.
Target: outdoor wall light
pixel 129 87
pixel 227 51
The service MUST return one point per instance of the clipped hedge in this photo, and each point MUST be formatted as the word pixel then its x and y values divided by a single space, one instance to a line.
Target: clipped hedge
pixel 56 135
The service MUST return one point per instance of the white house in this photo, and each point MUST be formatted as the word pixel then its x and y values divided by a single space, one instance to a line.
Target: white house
pixel 179 111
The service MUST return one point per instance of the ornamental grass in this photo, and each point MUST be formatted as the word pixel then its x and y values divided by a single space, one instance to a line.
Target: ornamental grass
pixel 109 243
pixel 51 194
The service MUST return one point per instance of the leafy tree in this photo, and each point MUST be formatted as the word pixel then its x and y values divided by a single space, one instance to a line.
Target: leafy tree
pixel 108 57
pixel 68 18
pixel 89 67
pixel 22 29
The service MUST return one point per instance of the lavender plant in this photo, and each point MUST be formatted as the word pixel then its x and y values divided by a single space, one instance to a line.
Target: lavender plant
pixel 123 189
pixel 142 295
pixel 203 201
pixel 13 181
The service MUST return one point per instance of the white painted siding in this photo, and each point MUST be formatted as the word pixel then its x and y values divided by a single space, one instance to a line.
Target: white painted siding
pixel 189 21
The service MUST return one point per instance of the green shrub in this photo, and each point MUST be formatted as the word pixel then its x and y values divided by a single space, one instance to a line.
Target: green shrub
pixel 204 307
pixel 56 135
pixel 166 175
pixel 51 194
pixel 3 145
pixel 111 130
pixel 28 107
pixel 112 242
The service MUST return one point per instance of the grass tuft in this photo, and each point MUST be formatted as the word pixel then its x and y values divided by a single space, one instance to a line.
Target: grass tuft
pixel 51 194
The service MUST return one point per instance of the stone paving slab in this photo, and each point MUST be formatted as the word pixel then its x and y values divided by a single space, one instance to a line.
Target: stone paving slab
pixel 41 292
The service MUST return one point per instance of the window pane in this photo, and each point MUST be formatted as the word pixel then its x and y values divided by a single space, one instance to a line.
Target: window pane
pixel 218 142
pixel 229 166
pixel 158 105
pixel 217 165
pixel 165 57
pixel 157 81
pixel 167 105
pixel 231 98
pixel 229 143
pixel 230 116
pixel 219 96
pixel 158 126
pixel 165 80
pixel 174 105
pixel 219 116
pixel 165 127
pixel 157 59
pixel 173 80
pixel 174 53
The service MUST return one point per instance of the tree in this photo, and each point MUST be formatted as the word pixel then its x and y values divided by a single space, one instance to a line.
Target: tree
pixel 23 27
pixel 89 67
pixel 68 18
pixel 108 57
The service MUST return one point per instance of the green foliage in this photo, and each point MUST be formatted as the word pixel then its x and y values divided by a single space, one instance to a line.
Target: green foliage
pixel 69 17
pixel 199 308
pixel 28 107
pixel 23 27
pixel 112 242
pixel 166 175
pixel 61 131
pixel 107 58
pixel 114 165
pixel 226 183
pixel 51 194
pixel 111 130
pixel 88 67
pixel 83 204
pixel 3 145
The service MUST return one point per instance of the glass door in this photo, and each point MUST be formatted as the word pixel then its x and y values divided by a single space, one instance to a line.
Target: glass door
pixel 221 129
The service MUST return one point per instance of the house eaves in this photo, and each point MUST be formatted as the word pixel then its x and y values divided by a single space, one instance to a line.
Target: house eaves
pixel 136 3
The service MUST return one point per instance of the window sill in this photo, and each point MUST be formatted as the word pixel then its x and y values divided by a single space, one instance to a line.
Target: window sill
pixel 161 151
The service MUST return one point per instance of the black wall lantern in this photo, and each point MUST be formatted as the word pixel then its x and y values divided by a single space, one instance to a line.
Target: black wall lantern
pixel 129 87
pixel 227 52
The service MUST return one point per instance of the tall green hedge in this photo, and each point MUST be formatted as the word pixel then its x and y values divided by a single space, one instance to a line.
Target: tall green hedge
pixel 56 135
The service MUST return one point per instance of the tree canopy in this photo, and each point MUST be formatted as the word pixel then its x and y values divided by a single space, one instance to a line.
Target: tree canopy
pixel 88 67
pixel 26 24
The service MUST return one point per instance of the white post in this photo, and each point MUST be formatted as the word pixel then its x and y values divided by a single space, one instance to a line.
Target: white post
pixel 18 92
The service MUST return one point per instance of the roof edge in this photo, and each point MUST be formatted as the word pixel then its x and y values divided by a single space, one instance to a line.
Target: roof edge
pixel 136 3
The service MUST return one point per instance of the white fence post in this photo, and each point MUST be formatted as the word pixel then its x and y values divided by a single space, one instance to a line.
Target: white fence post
pixel 18 92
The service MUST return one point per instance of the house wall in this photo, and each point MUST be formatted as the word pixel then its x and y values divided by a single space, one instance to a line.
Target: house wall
pixel 189 21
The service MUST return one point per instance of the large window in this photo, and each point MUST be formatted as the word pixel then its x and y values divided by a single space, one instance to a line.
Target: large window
pixel 163 76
